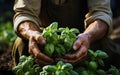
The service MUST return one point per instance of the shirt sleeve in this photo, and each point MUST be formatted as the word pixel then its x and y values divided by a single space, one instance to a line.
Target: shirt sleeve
pixel 26 10
pixel 99 9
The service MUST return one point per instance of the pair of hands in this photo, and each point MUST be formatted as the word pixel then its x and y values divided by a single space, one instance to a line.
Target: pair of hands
pixel 30 31
pixel 80 45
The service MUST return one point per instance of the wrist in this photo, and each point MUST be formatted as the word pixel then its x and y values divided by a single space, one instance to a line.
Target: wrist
pixel 88 37
pixel 96 30
pixel 28 29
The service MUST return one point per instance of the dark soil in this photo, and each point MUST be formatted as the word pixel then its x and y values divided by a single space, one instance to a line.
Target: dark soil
pixel 6 62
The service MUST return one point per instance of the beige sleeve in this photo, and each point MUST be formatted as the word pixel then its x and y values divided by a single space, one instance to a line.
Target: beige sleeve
pixel 26 10
pixel 99 9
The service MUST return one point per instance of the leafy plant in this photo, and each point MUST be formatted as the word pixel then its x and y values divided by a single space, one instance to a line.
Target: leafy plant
pixel 114 71
pixel 26 66
pixel 59 40
pixel 91 66
pixel 7 35
pixel 59 69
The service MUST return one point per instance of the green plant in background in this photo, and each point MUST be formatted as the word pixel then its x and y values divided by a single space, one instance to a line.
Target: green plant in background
pixel 26 66
pixel 91 66
pixel 114 71
pixel 7 34
pixel 59 69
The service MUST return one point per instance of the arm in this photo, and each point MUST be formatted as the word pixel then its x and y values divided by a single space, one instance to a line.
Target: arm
pixel 99 10
pixel 96 30
pixel 98 24
pixel 26 10
pixel 26 25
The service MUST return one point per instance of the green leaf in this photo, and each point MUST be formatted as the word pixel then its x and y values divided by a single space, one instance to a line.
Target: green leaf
pixel 58 52
pixel 25 66
pixel 53 25
pixel 73 72
pixel 67 66
pixel 101 62
pixel 22 58
pixel 101 72
pixel 62 49
pixel 101 54
pixel 84 72
pixel 20 72
pixel 61 29
pixel 49 49
pixel 50 68
pixel 92 65
pixel 72 35
pixel 43 73
pixel 60 63
pixel 61 72
pixel 68 43
pixel 16 68
pixel 74 30
pixel 114 70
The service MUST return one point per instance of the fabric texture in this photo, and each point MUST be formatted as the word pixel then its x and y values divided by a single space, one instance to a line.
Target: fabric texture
pixel 31 10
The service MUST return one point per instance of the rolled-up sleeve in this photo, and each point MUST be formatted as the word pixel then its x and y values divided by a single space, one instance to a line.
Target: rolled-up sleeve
pixel 26 10
pixel 99 9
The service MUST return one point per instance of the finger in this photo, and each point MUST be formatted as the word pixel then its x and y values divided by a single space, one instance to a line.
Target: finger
pixel 77 44
pixel 32 46
pixel 39 39
pixel 41 56
pixel 73 61
pixel 81 52
pixel 44 58
pixel 34 49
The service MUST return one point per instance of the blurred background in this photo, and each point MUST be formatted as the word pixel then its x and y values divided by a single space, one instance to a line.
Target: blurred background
pixel 7 35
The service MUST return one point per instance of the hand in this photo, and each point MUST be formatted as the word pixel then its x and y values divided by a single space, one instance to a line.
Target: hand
pixel 30 32
pixel 96 30
pixel 34 50
pixel 80 46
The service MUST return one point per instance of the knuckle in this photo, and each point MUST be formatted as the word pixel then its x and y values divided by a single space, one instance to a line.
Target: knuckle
pixel 84 53
pixel 36 54
pixel 39 37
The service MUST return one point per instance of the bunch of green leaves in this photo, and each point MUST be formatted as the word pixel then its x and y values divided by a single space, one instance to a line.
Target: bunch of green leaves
pixel 59 69
pixel 97 56
pixel 58 40
pixel 26 66
pixel 7 34
pixel 114 71
pixel 91 66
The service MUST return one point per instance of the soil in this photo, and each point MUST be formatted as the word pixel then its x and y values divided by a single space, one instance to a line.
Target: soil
pixel 6 62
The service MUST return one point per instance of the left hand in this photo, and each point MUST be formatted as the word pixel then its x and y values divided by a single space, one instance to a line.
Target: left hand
pixel 96 30
pixel 80 46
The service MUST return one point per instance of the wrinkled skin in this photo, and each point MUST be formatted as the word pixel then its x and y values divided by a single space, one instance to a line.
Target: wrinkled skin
pixel 31 32
pixel 93 32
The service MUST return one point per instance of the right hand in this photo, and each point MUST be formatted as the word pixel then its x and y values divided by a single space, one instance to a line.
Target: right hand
pixel 30 31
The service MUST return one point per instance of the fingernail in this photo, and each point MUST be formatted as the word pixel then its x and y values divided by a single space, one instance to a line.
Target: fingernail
pixel 74 47
pixel 43 42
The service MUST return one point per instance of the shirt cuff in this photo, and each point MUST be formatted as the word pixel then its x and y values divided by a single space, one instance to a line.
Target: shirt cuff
pixel 99 15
